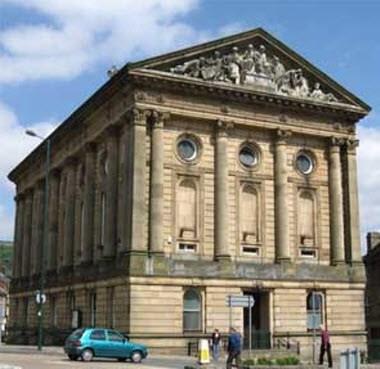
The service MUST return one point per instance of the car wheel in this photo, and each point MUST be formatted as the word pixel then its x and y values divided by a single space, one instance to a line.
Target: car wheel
pixel 72 357
pixel 136 356
pixel 87 355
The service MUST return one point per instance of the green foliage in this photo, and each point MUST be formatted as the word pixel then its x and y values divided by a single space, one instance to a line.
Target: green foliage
pixel 289 360
pixel 6 253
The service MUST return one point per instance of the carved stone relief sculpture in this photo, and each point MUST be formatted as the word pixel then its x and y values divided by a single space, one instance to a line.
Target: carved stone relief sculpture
pixel 253 67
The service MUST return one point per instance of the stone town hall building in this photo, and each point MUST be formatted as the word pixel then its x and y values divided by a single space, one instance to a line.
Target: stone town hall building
pixel 222 169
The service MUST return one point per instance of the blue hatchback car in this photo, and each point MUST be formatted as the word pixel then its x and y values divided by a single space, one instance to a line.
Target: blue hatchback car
pixel 87 343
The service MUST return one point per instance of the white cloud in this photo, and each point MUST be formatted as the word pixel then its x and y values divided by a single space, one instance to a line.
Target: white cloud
pixel 16 145
pixel 81 34
pixel 369 179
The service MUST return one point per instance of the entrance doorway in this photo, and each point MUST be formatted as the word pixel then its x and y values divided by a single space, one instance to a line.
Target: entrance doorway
pixel 261 335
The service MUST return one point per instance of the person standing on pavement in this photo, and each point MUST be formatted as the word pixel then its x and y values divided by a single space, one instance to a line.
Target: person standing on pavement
pixel 234 348
pixel 215 344
pixel 325 346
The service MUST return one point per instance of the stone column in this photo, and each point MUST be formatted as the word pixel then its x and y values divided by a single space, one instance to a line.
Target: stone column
pixel 89 201
pixel 221 193
pixel 20 199
pixel 27 229
pixel 68 243
pixel 281 196
pixel 156 211
pixel 37 229
pixel 61 218
pixel 124 195
pixel 52 249
pixel 336 202
pixel 353 226
pixel 111 192
pixel 139 210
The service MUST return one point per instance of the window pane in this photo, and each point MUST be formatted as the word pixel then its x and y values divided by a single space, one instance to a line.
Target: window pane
pixel 316 304
pixel 314 320
pixel 191 321
pixel 114 336
pixel 98 335
pixel 191 301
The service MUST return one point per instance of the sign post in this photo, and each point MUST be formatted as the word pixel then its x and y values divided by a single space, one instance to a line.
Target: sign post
pixel 244 301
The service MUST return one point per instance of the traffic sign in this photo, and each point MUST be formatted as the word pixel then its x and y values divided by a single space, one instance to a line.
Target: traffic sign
pixel 40 297
pixel 240 301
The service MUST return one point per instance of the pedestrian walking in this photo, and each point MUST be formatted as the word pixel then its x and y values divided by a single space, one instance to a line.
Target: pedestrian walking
pixel 325 347
pixel 234 348
pixel 215 344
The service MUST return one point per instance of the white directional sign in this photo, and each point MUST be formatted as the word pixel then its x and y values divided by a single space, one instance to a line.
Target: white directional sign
pixel 40 297
pixel 240 301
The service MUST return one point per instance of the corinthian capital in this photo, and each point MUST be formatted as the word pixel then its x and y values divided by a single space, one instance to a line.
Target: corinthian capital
pixel 351 145
pixel 158 118
pixel 336 141
pixel 223 127
pixel 282 135
pixel 138 116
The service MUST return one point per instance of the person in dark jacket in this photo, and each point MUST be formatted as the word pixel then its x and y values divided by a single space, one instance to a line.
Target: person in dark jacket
pixel 215 344
pixel 325 346
pixel 234 348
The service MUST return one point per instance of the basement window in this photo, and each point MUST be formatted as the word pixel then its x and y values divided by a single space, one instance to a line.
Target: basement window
pixel 187 247
pixel 308 253
pixel 251 250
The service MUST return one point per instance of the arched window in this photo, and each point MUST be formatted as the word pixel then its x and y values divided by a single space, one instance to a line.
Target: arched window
pixel 192 311
pixel 314 306
pixel 187 212
pixel 306 219
pixel 249 224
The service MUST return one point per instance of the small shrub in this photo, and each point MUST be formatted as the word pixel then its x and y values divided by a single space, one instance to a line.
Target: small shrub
pixel 264 361
pixel 249 362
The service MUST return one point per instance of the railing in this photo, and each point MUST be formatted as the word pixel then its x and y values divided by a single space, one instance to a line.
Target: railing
pixel 288 344
pixel 260 340
pixel 374 350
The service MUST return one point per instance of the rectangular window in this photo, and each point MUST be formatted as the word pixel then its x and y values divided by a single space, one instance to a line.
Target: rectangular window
pixel 308 253
pixel 187 247
pixel 53 311
pixel 251 250
pixel 93 309
pixel 110 307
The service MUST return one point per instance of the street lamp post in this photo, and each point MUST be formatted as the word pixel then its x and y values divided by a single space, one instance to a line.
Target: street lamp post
pixel 40 293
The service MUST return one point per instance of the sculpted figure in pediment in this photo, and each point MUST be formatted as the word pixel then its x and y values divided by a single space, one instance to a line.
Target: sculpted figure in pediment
pixel 253 67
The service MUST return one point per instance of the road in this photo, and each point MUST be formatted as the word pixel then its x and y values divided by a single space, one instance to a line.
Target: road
pixel 60 361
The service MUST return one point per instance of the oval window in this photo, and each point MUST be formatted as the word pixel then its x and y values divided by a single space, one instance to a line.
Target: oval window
pixel 187 149
pixel 248 156
pixel 304 163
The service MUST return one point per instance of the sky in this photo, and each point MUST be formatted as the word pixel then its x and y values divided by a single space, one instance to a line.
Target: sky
pixel 54 54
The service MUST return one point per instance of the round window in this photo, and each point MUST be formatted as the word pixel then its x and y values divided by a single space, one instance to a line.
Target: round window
pixel 304 163
pixel 187 149
pixel 248 156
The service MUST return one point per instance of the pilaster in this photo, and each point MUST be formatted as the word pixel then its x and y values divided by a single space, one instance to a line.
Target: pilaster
pixel 27 230
pixel 157 183
pixel 68 244
pixel 221 192
pixel 89 201
pixel 336 202
pixel 51 256
pixel 139 211
pixel 111 192
pixel 352 196
pixel 281 199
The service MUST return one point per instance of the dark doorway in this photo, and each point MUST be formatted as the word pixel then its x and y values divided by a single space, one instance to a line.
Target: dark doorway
pixel 261 335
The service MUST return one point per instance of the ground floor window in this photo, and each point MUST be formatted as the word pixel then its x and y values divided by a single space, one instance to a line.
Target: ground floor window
pixel 192 311
pixel 315 309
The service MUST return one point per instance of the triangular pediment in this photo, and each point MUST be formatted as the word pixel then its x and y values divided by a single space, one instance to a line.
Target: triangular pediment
pixel 254 60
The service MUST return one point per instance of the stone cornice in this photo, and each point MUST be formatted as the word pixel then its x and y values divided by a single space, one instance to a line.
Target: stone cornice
pixel 242 94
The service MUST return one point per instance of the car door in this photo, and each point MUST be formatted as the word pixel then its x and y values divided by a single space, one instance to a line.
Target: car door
pixel 99 343
pixel 116 344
